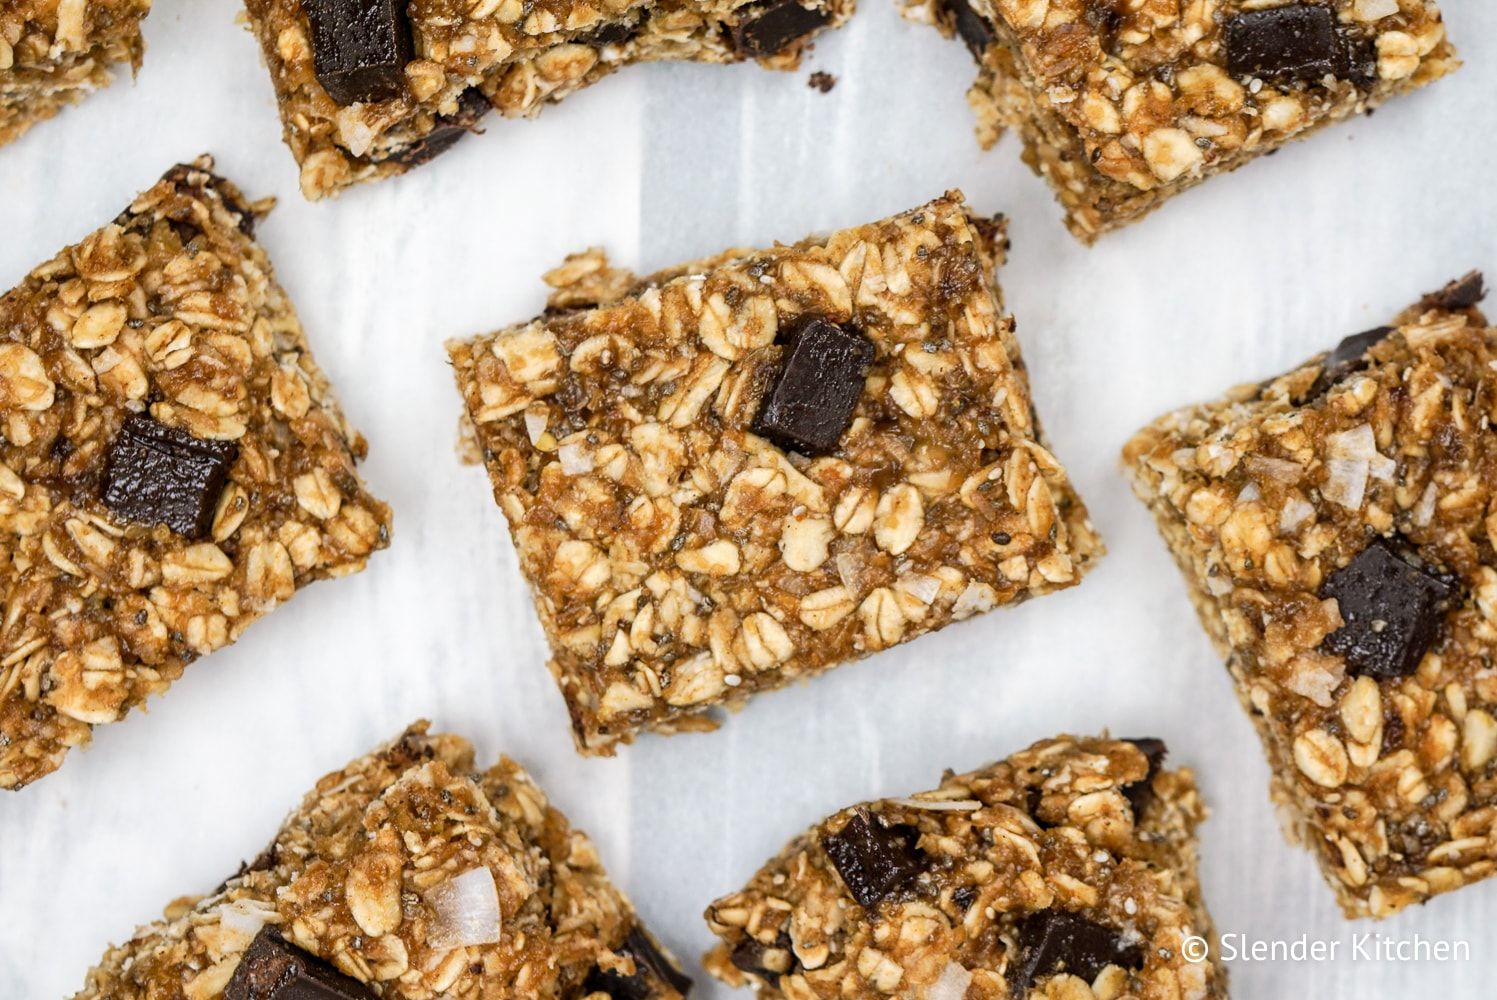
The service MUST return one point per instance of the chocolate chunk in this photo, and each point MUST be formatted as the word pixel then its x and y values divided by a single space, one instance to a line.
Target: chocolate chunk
pixel 1463 293
pixel 616 33
pixel 1348 357
pixel 1139 792
pixel 654 975
pixel 774 26
pixel 1351 354
pixel 971 27
pixel 446 130
pixel 199 180
pixel 749 955
pixel 1392 609
pixel 810 402
pixel 154 474
pixel 360 48
pixel 1297 42
pixel 1357 60
pixel 1053 941
pixel 273 969
pixel 875 861
pixel 965 897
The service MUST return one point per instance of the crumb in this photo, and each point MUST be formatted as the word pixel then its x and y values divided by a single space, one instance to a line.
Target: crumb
pixel 822 81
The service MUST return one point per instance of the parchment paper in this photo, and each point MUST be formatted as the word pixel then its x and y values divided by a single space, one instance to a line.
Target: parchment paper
pixel 1240 279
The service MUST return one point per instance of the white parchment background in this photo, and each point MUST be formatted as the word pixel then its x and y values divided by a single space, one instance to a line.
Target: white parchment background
pixel 1240 279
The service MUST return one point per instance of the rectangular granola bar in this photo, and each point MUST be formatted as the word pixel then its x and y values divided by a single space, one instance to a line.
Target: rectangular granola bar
pixel 743 471
pixel 407 875
pixel 55 52
pixel 1123 105
pixel 371 88
pixel 1067 872
pixel 1336 527
pixel 173 464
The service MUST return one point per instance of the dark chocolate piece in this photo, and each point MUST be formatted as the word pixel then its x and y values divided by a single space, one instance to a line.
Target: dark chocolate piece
pixel 155 474
pixel 748 955
pixel 360 48
pixel 652 970
pixel 195 178
pixel 273 969
pixel 810 402
pixel 616 33
pixel 1393 611
pixel 1053 941
pixel 971 27
pixel 1462 293
pixel 965 897
pixel 875 861
pixel 1297 42
pixel 774 26
pixel 1348 357
pixel 1139 792
pixel 447 130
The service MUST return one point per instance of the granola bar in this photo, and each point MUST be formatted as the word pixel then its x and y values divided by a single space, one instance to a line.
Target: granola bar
pixel 1067 872
pixel 173 464
pixel 1336 528
pixel 407 875
pixel 371 88
pixel 1122 105
pixel 743 471
pixel 53 53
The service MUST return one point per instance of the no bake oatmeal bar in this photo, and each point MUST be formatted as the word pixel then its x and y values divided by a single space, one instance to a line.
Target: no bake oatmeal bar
pixel 743 471
pixel 371 88
pixel 173 464
pixel 1122 104
pixel 1336 528
pixel 53 53
pixel 407 875
pixel 1067 872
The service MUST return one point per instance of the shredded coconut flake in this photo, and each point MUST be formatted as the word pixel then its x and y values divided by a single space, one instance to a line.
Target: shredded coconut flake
pixel 951 984
pixel 1295 513
pixel 939 805
pixel 575 459
pixel 535 425
pixel 847 571
pixel 242 919
pixel 467 911
pixel 923 588
pixel 1350 455
pixel 1424 511
pixel 1383 468
pixel 1275 468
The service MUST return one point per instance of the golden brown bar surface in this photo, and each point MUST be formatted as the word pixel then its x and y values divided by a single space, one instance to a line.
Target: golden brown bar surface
pixel 167 322
pixel 1066 872
pixel 1121 106
pixel 412 872
pixel 473 56
pixel 1336 526
pixel 53 53
pixel 681 561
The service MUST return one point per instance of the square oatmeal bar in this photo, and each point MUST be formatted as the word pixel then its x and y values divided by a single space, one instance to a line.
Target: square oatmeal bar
pixel 1336 527
pixel 173 464
pixel 1122 104
pixel 407 875
pixel 53 53
pixel 742 471
pixel 1066 872
pixel 372 88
